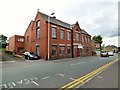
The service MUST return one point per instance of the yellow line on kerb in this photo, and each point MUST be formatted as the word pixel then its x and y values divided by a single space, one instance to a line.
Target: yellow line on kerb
pixel 85 77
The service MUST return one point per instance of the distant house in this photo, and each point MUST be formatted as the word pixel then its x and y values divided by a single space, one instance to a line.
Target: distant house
pixel 112 48
pixel 16 44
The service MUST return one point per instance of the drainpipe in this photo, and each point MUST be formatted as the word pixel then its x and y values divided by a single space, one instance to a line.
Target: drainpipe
pixel 49 35
pixel 72 44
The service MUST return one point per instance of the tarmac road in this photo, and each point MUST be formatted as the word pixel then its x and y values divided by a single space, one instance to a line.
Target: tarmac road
pixel 49 74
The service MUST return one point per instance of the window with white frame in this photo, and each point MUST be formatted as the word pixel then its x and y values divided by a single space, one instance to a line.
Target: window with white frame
pixel 68 35
pixel 38 23
pixel 61 34
pixel 54 32
pixel 38 33
pixel 20 39
pixel 77 37
pixel 82 38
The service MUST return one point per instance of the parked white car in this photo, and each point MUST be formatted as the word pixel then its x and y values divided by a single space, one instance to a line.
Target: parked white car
pixel 30 55
pixel 104 54
pixel 110 53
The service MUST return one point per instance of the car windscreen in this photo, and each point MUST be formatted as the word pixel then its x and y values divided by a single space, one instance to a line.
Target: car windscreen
pixel 32 53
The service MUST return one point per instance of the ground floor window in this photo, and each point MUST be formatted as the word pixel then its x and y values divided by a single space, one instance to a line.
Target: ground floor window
pixel 20 49
pixel 54 49
pixel 38 50
pixel 62 50
pixel 68 50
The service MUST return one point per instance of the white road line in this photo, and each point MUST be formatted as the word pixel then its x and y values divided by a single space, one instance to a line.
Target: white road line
pixel 45 77
pixel 72 78
pixel 35 83
pixel 77 63
pixel 13 84
pixel 61 74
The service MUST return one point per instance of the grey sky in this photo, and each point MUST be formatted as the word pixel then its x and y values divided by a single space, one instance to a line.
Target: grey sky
pixel 96 17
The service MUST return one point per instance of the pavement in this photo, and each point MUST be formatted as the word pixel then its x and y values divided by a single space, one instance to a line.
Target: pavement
pixel 7 57
pixel 106 79
pixel 49 74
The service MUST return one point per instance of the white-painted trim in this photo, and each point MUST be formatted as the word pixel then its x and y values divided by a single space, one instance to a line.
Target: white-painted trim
pixel 69 30
pixel 68 44
pixel 77 44
pixel 77 31
pixel 54 44
pixel 62 28
pixel 61 44
pixel 37 44
pixel 53 26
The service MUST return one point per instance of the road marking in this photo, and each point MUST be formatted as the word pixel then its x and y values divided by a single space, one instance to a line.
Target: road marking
pixel 87 76
pixel 72 78
pixel 13 84
pixel 19 82
pixel 35 83
pixel 26 81
pixel 60 74
pixel 77 63
pixel 99 77
pixel 45 77
pixel 3 86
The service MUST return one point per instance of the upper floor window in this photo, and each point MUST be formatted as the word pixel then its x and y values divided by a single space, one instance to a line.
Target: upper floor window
pixel 27 38
pixel 82 38
pixel 38 33
pixel 54 32
pixel 77 37
pixel 61 34
pixel 38 23
pixel 68 35
pixel 20 39
pixel 88 39
pixel 85 39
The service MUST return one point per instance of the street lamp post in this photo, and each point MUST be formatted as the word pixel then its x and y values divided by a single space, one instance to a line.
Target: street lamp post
pixel 49 35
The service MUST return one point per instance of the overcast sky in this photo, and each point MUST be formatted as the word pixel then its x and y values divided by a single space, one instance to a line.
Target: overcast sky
pixel 97 17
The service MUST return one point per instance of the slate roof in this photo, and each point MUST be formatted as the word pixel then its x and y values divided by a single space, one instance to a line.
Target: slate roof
pixel 84 32
pixel 55 21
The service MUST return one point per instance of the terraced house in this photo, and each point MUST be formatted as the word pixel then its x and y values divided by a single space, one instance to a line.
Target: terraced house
pixel 51 38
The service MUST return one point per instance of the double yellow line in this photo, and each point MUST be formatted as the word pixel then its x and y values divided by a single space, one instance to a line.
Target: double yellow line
pixel 86 77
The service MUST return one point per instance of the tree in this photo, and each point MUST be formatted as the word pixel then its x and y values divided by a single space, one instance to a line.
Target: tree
pixel 98 39
pixel 3 41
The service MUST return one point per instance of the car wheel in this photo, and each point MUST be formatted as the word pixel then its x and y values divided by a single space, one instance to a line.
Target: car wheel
pixel 28 58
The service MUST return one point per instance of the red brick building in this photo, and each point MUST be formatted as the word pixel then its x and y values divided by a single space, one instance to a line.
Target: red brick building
pixel 16 44
pixel 87 43
pixel 64 40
